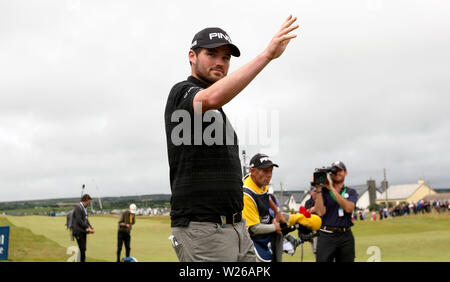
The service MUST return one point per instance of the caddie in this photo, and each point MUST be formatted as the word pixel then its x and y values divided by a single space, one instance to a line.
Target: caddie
pixel 261 226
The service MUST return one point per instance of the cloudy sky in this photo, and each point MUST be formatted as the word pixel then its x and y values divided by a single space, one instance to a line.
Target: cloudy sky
pixel 83 86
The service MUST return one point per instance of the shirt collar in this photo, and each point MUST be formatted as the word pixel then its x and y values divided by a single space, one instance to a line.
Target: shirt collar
pixel 197 82
pixel 85 208
pixel 248 182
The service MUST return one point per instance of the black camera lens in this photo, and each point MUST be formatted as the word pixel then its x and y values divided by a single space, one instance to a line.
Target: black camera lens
pixel 320 178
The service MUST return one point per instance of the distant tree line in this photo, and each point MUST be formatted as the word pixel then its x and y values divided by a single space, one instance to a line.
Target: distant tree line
pixel 108 203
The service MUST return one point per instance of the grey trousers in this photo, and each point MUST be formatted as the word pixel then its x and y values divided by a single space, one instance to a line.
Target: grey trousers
pixel 207 241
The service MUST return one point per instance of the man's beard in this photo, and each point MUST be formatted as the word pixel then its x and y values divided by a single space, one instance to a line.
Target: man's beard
pixel 338 182
pixel 210 79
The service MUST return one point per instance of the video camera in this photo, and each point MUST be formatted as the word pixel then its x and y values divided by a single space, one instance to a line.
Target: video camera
pixel 320 175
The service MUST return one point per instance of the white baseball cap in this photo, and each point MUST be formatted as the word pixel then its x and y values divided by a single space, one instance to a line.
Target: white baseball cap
pixel 133 208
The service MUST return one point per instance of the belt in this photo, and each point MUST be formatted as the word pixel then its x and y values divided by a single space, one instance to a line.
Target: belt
pixel 329 229
pixel 221 219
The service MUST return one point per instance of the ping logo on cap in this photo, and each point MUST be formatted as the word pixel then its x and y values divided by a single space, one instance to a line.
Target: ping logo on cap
pixel 219 35
pixel 263 159
pixel 213 37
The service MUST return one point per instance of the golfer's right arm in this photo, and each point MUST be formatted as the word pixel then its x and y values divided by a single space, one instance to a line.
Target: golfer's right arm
pixel 222 91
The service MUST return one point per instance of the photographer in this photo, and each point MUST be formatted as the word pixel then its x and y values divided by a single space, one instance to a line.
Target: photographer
pixel 335 204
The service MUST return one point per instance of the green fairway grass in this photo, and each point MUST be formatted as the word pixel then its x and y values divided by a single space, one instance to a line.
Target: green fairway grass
pixel 41 238
pixel 416 238
pixel 24 246
pixel 149 237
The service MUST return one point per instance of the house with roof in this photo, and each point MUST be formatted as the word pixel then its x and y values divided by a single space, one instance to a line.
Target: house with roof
pixel 305 198
pixel 409 193
pixel 368 193
pixel 291 200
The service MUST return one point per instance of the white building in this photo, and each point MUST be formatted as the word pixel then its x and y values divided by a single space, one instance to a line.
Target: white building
pixel 363 200
pixel 409 193
pixel 291 199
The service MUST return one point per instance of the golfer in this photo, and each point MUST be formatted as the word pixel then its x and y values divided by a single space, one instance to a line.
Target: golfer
pixel 205 170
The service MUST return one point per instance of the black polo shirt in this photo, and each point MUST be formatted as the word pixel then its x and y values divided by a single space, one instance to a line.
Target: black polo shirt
pixel 331 217
pixel 205 177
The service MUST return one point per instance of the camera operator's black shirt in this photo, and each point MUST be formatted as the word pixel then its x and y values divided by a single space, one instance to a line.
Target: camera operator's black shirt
pixel 205 179
pixel 331 217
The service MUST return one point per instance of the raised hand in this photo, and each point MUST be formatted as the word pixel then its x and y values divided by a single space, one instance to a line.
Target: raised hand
pixel 280 41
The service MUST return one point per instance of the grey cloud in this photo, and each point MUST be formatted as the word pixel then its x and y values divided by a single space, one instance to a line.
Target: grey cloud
pixel 84 85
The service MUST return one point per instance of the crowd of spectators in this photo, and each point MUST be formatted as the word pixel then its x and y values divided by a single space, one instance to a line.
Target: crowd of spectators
pixel 421 207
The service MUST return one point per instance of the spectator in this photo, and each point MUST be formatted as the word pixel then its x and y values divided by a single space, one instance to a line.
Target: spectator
pixel 361 216
pixel 309 205
pixel 81 225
